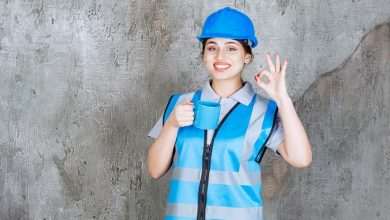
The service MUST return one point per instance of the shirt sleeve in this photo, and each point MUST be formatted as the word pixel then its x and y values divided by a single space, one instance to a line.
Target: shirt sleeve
pixel 155 131
pixel 277 136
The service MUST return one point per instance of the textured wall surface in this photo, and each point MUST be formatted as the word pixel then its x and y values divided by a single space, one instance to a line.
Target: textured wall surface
pixel 82 82
pixel 347 115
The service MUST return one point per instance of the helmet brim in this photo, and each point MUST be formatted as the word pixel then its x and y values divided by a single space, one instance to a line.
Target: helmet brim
pixel 252 42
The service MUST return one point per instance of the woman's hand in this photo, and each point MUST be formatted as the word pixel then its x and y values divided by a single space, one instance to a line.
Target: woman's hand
pixel 182 115
pixel 275 83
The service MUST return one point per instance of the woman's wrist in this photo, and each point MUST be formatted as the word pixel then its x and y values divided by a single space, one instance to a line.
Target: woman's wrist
pixel 283 100
pixel 170 124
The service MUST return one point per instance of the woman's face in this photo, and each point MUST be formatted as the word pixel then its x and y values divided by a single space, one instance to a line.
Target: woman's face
pixel 224 58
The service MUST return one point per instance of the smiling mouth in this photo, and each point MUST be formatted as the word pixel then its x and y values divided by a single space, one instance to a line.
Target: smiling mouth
pixel 221 67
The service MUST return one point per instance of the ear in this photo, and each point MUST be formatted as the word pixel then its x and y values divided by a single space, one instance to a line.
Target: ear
pixel 247 58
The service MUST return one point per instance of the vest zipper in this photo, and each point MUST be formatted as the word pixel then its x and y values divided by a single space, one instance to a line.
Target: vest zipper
pixel 201 212
pixel 206 162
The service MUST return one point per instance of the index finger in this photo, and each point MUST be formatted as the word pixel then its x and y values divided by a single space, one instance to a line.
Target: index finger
pixel 270 63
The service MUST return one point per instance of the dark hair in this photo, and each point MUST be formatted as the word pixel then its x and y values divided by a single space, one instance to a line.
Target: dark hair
pixel 244 44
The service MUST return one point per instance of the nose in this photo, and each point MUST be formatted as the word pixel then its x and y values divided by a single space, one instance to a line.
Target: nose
pixel 219 54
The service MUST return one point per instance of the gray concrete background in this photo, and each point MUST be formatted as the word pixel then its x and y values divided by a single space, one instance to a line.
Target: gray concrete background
pixel 82 82
pixel 347 115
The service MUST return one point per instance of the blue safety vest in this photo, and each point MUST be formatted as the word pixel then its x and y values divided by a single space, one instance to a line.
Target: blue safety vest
pixel 221 180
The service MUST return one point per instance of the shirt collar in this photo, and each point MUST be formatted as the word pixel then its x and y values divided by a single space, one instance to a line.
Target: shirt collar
pixel 244 95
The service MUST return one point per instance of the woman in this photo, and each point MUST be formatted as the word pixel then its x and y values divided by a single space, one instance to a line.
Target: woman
pixel 216 172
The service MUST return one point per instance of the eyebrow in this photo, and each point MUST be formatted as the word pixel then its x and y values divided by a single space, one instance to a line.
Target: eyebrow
pixel 229 42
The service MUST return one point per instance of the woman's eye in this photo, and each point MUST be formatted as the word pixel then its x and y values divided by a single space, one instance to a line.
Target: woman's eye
pixel 232 49
pixel 211 49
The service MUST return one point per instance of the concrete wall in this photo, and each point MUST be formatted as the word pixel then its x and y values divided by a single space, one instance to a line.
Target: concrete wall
pixel 347 115
pixel 82 82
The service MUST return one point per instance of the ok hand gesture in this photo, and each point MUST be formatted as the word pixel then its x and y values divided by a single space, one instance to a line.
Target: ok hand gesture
pixel 275 84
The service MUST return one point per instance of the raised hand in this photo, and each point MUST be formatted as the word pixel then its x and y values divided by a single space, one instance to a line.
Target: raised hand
pixel 273 80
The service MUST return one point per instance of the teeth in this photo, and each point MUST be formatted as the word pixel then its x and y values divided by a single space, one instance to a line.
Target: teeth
pixel 219 66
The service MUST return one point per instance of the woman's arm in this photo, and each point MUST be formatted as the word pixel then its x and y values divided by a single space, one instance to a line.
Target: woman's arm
pixel 295 148
pixel 161 151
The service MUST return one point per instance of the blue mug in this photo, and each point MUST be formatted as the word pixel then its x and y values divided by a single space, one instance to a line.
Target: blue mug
pixel 206 114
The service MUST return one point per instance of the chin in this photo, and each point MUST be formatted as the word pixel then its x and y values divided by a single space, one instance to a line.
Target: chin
pixel 223 75
pixel 221 78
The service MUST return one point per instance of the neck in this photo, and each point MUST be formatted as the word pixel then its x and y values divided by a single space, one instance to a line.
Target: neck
pixel 226 88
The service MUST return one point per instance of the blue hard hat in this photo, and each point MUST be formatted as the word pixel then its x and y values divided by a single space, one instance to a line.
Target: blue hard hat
pixel 229 23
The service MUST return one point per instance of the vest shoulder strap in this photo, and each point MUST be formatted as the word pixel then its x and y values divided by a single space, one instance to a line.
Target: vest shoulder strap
pixel 170 106
pixel 266 129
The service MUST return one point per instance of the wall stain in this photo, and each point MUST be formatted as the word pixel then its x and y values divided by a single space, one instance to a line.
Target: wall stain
pixel 71 186
pixel 283 5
